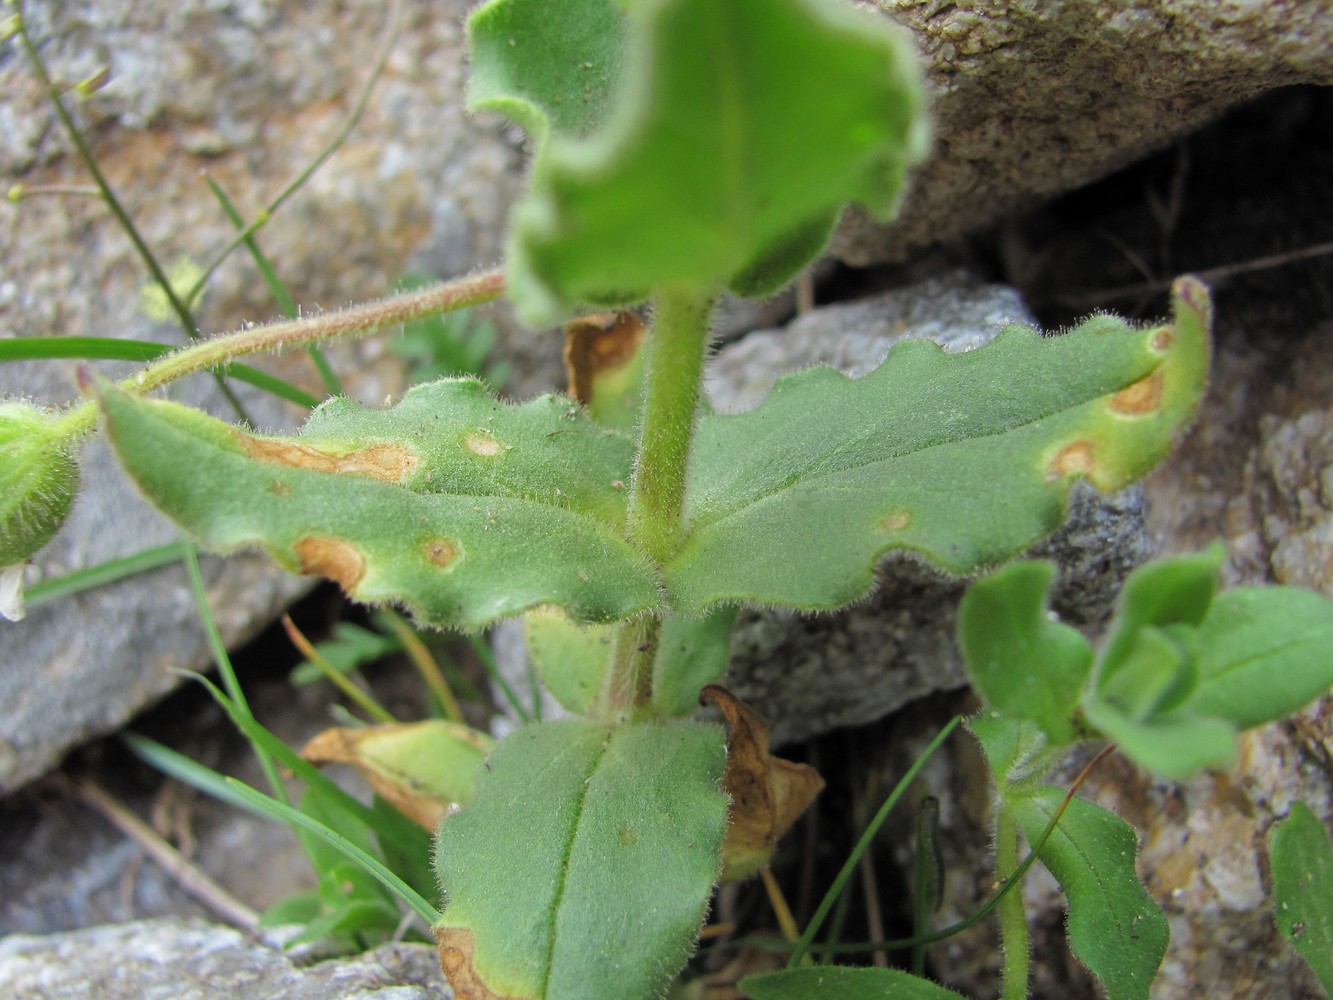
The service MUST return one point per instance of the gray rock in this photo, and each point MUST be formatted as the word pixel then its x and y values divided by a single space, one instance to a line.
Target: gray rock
pixel 810 674
pixel 193 960
pixel 1037 97
pixel 251 93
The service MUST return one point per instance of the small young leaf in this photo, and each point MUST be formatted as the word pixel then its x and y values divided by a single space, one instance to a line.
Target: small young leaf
pixel 1016 749
pixel 572 660
pixel 739 132
pixel 1158 670
pixel 585 862
pixel 1019 660
pixel 834 982
pixel 1114 927
pixel 691 653
pixel 463 508
pixel 1175 591
pixel 965 459
pixel 1302 862
pixel 1263 653
pixel 1177 745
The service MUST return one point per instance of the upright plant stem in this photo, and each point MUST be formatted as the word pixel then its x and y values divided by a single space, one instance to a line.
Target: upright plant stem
pixel 676 352
pixel 1013 918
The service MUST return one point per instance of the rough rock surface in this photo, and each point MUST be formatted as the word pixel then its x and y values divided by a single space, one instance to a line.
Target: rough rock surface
pixel 193 960
pixel 251 93
pixel 1034 98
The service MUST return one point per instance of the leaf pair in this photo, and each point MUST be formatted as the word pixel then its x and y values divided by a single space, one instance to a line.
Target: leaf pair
pixel 469 510
pixel 1179 674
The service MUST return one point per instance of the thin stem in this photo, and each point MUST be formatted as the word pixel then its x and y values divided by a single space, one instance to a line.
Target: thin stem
pixel 393 24
pixel 1013 917
pixel 867 836
pixel 90 164
pixel 443 297
pixel 676 352
pixel 628 684
pixel 178 305
pixel 335 676
pixel 429 670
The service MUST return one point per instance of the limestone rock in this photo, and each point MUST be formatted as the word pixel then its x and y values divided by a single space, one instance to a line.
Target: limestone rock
pixel 193 960
pixel 1034 98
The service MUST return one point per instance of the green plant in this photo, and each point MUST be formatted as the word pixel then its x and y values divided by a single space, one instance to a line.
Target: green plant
pixel 685 148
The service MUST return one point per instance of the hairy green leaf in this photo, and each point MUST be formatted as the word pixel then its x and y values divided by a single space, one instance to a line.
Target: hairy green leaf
pixel 737 133
pixel 965 459
pixel 1114 927
pixel 1016 749
pixel 1263 653
pixel 575 660
pixel 1020 660
pixel 1302 862
pixel 584 864
pixel 833 982
pixel 550 66
pixel 1174 591
pixel 1177 745
pixel 462 508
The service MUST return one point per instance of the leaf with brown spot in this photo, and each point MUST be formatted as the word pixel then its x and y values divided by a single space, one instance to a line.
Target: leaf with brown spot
pixel 333 558
pixel 507 507
pixel 424 769
pixel 964 460
pixel 605 366
pixel 390 463
pixel 767 793
pixel 456 945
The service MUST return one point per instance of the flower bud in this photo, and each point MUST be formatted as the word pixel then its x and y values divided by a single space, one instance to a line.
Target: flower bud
pixel 38 477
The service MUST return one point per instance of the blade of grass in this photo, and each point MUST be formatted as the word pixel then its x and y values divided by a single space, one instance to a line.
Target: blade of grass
pixel 223 660
pixel 393 827
pixel 107 572
pixel 283 297
pixel 840 881
pixel 241 795
pixel 372 865
pixel 483 651
pixel 392 26
pixel 92 348
pixel 117 349
pixel 424 662
pixel 334 676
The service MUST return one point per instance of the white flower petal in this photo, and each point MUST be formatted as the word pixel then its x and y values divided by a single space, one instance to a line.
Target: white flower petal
pixel 11 592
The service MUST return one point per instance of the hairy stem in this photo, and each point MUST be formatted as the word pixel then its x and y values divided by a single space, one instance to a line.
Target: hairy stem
pixel 1013 918
pixel 445 297
pixel 676 353
pixel 628 685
